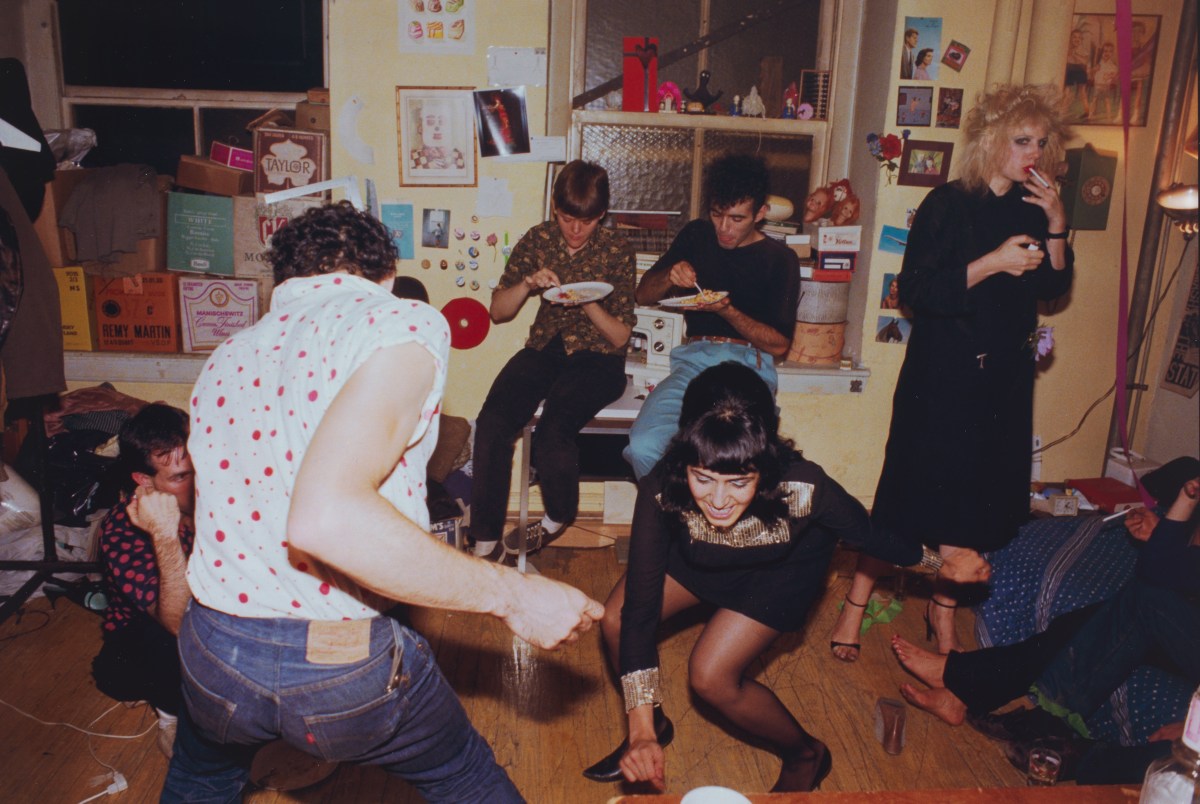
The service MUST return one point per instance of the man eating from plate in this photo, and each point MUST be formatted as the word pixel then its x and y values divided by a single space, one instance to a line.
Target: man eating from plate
pixel 573 362
pixel 751 325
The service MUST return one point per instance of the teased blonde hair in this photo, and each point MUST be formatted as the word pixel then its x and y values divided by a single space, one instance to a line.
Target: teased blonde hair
pixel 994 117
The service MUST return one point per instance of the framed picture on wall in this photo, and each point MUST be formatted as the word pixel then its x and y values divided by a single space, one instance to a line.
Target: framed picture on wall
pixel 1092 82
pixel 435 128
pixel 925 163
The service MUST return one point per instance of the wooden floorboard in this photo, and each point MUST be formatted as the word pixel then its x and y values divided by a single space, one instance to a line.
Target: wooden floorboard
pixel 546 714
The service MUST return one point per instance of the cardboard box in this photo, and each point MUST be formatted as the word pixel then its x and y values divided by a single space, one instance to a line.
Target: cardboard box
pixel 319 95
pixel 285 158
pixel 59 243
pixel 137 313
pixel 312 116
pixel 801 244
pixel 198 173
pixel 211 310
pixel 254 222
pixel 74 299
pixel 834 238
pixel 200 233
pixel 232 156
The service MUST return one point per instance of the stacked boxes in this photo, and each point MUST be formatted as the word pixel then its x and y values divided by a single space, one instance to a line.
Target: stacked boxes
pixel 820 332
pixel 212 310
pixel 137 313
pixel 73 297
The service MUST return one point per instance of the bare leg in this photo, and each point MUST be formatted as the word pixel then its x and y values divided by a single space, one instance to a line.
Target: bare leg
pixel 846 633
pixel 941 703
pixel 717 672
pixel 926 666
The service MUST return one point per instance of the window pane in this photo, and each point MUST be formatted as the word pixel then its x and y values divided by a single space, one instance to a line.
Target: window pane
pixel 648 168
pixel 790 35
pixel 674 23
pixel 184 44
pixel 788 158
pixel 227 126
pixel 138 134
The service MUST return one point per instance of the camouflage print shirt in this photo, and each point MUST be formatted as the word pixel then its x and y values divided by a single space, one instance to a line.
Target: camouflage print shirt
pixel 606 257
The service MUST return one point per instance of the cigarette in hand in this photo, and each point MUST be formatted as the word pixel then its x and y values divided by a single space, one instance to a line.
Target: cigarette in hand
pixel 1038 177
pixel 1117 515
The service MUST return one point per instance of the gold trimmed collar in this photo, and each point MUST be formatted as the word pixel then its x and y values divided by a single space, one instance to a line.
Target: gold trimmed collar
pixel 751 531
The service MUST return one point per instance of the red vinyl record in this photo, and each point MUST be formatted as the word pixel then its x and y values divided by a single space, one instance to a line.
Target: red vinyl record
pixel 469 322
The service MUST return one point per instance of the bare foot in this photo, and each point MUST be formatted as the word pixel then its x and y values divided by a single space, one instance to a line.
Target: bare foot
pixel 846 632
pixel 941 703
pixel 926 666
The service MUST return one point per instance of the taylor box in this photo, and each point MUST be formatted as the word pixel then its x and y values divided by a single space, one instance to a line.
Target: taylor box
pixel 137 313
pixel 211 310
pixel 286 157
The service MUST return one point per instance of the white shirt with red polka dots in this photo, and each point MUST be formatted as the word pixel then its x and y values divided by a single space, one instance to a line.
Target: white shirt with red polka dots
pixel 255 408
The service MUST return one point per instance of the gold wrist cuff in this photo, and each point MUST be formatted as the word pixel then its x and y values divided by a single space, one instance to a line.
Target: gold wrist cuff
pixel 641 687
pixel 930 559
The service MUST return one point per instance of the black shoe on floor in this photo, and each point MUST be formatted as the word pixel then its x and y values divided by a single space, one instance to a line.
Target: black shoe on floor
pixel 609 768
pixel 536 537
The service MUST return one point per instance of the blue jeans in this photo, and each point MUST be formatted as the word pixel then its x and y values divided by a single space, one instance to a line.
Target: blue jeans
pixel 247 681
pixel 1118 637
pixel 658 419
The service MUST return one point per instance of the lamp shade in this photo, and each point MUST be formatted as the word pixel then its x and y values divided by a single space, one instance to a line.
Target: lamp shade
pixel 1178 198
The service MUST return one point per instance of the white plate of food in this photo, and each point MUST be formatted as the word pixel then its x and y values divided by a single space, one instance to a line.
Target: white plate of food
pixel 701 299
pixel 578 293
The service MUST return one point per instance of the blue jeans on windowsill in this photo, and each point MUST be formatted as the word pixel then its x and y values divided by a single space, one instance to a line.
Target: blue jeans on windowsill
pixel 247 681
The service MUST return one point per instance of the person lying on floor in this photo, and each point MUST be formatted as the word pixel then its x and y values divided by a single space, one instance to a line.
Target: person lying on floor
pixel 1082 657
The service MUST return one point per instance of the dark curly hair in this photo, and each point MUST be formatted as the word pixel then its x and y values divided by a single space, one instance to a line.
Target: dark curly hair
pixel 333 237
pixel 153 432
pixel 734 178
pixel 728 425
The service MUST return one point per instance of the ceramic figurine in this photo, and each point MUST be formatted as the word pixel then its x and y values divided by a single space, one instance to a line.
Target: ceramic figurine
pixel 752 105
pixel 702 94
pixel 791 99
pixel 735 110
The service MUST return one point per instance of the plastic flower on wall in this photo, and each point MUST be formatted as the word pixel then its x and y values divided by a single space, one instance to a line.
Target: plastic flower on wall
pixel 887 150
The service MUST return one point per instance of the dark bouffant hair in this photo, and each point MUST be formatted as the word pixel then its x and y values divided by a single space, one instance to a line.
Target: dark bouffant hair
pixel 334 237
pixel 155 430
pixel 728 425
pixel 581 190
pixel 736 177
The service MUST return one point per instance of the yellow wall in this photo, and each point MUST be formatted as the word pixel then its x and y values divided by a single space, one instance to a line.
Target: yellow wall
pixel 845 433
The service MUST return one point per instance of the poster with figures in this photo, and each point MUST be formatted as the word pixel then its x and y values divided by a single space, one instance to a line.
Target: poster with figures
pixel 437 26
pixel 1182 374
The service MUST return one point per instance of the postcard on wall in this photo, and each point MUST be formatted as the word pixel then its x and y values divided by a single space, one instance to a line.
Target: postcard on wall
pixel 398 218
pixel 949 114
pixel 889 296
pixel 892 329
pixel 1092 82
pixel 893 239
pixel 435 228
pixel 921 42
pixel 956 55
pixel 437 27
pixel 501 123
pixel 914 106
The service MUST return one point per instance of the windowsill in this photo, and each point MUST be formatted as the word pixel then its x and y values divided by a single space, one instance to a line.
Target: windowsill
pixel 184 368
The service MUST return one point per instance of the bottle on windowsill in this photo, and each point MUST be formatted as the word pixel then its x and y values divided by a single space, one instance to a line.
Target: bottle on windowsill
pixel 1175 779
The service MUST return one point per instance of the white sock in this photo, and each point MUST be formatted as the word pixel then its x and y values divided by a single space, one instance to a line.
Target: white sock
pixel 166 720
pixel 483 549
pixel 550 525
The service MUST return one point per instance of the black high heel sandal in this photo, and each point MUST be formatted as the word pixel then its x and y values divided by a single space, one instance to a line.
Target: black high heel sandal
pixel 609 768
pixel 930 633
pixel 857 646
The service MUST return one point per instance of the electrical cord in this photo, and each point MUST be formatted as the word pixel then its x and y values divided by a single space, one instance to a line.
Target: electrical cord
pixel 118 784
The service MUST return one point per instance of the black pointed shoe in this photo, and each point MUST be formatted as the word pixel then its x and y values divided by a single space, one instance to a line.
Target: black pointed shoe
pixel 609 768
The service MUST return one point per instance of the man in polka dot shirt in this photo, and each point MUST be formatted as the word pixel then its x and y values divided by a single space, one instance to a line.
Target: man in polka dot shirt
pixel 144 565
pixel 311 432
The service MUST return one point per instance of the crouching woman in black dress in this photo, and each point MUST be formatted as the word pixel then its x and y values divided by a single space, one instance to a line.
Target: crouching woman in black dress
pixel 732 516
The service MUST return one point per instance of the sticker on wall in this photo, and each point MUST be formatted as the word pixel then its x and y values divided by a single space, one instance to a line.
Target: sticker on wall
pixel 347 129
pixel 469 322
pixel 398 218
pixel 956 55
pixel 437 27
